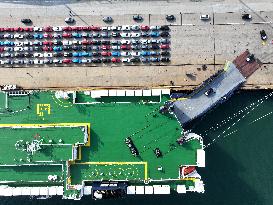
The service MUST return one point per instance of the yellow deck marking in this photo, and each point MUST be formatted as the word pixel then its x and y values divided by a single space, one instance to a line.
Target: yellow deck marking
pixel 43 108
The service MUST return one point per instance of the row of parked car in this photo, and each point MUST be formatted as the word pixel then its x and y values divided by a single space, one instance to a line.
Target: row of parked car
pixel 84 60
pixel 84 54
pixel 86 28
pixel 153 34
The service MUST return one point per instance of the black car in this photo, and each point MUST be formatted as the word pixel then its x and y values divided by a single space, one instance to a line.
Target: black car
pixel 136 47
pixel 165 28
pixel 246 17
pixel 145 34
pixel 96 54
pixel 164 34
pixel 106 60
pixel 106 42
pixel 96 42
pixel 26 20
pixel 157 152
pixel 263 35
pixel 96 35
pixel 165 53
pixel 57 42
pixel 28 55
pixel 165 59
pixel 155 46
pixel 96 60
pixel 170 17
pixel 28 36
pixel 137 18
pixel 135 60
pixel 58 54
pixel 250 58
pixel 115 42
pixel 1 36
pixel 67 48
pixel 37 48
pixel 209 92
pixel 76 48
pixel 19 55
pixel 145 47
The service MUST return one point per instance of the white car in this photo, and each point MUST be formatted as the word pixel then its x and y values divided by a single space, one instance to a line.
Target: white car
pixel 77 42
pixel 126 60
pixel 125 35
pixel 135 53
pixel 57 35
pixel 135 28
pixel 40 55
pixel 8 49
pixel 86 60
pixel 57 28
pixel 2 62
pixel 8 35
pixel 67 43
pixel 27 43
pixel 37 28
pixel 38 62
pixel 145 42
pixel 125 42
pixel 56 61
pixel 16 43
pixel 155 41
pixel 154 28
pixel 116 47
pixel 28 48
pixel 48 55
pixel 135 35
pixel 20 36
pixel 125 54
pixel 116 28
pixel 18 49
pixel 125 28
pixel 204 17
pixel 104 28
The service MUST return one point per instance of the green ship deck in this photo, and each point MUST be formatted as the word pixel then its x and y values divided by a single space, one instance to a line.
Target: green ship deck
pixel 61 125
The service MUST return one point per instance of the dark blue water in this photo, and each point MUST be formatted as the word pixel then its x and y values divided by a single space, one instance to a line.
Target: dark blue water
pixel 239 162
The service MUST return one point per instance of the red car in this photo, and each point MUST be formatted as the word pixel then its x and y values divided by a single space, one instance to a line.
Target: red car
pixel 115 60
pixel 67 35
pixel 165 46
pixel 105 53
pixel 144 28
pixel 125 47
pixel 67 61
pixel 2 29
pixel 76 28
pixel 105 47
pixel 9 29
pixel 29 29
pixel 18 29
pixel 1 49
pixel 85 28
pixel 48 43
pixel 45 48
pixel 95 28
pixel 67 28
pixel 48 35
pixel 86 42
pixel 48 29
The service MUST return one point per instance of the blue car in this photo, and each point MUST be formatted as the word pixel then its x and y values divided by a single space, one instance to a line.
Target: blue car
pixel 76 35
pixel 155 34
pixel 76 60
pixel 8 43
pixel 77 54
pixel 145 60
pixel 2 43
pixel 145 53
pixel 57 48
pixel 85 54
pixel 38 36
pixel 115 53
